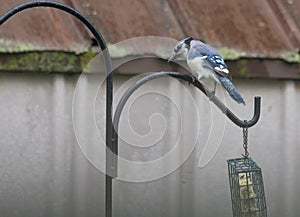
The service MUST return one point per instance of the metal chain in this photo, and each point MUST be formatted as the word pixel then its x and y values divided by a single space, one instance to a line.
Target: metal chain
pixel 245 140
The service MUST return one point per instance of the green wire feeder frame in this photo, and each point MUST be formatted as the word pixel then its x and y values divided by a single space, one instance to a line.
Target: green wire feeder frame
pixel 247 189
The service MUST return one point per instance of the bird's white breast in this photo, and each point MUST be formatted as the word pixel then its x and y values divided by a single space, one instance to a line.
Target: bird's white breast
pixel 198 70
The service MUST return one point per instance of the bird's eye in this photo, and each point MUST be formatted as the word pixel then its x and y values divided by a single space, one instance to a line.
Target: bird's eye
pixel 177 48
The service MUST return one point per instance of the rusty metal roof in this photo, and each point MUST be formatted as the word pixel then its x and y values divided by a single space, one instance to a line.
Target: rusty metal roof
pixel 41 29
pixel 256 27
pixel 259 28
pixel 267 29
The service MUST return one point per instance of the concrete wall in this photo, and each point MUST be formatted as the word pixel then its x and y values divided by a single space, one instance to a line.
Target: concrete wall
pixel 44 172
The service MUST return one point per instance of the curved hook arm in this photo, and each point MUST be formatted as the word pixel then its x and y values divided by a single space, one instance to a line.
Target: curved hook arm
pixel 196 83
pixel 91 27
pixel 99 39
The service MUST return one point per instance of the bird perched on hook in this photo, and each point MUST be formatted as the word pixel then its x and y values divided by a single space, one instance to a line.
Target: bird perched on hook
pixel 207 65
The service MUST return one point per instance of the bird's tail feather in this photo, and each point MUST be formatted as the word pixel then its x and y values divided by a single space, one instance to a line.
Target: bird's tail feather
pixel 231 89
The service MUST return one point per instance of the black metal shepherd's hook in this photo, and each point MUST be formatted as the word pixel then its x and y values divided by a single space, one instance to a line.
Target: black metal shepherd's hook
pixel 112 133
pixel 108 67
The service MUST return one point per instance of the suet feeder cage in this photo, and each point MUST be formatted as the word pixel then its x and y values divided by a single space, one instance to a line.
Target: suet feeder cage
pixel 247 189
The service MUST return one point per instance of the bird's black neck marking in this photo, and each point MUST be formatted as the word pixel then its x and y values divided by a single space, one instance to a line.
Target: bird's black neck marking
pixel 188 41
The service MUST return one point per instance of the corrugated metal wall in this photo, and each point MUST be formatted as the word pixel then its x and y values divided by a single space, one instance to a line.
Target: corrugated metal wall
pixel 45 173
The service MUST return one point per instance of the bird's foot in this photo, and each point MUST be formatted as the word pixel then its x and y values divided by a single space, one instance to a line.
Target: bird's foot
pixel 193 79
pixel 211 94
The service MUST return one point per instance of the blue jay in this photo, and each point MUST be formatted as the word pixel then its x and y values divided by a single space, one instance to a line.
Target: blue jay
pixel 206 64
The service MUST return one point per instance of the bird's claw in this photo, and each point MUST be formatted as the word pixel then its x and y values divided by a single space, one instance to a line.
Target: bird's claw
pixel 211 94
pixel 193 79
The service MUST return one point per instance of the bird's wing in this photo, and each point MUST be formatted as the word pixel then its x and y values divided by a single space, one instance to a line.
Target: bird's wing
pixel 218 65
pixel 212 59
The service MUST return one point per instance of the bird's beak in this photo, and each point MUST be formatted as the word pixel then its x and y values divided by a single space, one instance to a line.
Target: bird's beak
pixel 174 55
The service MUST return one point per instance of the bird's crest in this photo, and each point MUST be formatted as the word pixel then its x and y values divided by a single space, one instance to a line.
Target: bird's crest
pixel 187 40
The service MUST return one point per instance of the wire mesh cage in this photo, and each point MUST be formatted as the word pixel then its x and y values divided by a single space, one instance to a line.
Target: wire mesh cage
pixel 247 189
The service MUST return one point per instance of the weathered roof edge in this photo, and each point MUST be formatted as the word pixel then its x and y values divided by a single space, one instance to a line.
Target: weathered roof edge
pixel 226 53
pixel 240 68
pixel 71 63
pixel 9 47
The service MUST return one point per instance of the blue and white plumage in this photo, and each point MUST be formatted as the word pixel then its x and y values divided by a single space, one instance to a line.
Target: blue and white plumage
pixel 207 65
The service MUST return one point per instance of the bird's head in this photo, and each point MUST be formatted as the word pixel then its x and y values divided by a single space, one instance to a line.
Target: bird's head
pixel 181 48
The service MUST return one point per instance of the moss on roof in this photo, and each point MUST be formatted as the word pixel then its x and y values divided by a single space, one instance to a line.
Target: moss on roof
pixel 9 46
pixel 46 61
pixel 291 57
pixel 28 57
